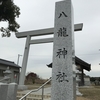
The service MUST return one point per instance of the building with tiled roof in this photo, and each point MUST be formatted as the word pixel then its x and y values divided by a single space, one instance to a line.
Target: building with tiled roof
pixel 14 68
pixel 82 65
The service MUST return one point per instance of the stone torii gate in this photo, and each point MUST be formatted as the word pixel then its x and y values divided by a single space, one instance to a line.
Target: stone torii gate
pixel 28 35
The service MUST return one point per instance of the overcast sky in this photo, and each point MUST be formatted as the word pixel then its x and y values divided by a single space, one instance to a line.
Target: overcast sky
pixel 39 14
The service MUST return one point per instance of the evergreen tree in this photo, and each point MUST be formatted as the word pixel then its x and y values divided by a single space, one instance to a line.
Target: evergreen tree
pixel 8 12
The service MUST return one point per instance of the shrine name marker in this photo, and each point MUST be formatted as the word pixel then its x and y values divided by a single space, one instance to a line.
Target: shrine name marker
pixel 62 87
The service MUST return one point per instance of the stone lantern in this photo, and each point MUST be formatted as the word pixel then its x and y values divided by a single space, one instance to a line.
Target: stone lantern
pixel 7 78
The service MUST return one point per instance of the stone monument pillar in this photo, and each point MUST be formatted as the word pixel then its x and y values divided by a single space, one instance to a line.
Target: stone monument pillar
pixel 63 53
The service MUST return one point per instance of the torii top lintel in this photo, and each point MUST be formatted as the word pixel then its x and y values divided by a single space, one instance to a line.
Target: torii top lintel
pixel 77 27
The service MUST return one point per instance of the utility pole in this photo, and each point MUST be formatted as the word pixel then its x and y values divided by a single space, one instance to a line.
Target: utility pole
pixel 18 59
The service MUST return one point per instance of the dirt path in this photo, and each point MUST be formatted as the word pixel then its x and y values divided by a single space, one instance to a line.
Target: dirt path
pixel 82 98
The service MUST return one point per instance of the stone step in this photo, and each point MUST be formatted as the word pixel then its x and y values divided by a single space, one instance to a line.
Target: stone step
pixel 33 96
pixel 29 98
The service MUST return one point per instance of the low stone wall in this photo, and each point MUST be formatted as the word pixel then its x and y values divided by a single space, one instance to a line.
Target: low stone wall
pixel 8 91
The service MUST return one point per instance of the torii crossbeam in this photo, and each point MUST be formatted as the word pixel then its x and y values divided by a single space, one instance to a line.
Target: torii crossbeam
pixel 28 35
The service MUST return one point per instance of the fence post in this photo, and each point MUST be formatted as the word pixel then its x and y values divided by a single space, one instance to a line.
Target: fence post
pixel 25 98
pixel 3 91
pixel 12 91
pixel 42 92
